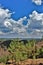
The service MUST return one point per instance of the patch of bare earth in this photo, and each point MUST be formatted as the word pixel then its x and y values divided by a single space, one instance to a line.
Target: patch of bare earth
pixel 39 44
pixel 27 62
pixel 3 52
pixel 2 64
pixel 3 47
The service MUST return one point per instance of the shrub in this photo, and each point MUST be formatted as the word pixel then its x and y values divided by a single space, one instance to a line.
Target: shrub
pixel 4 59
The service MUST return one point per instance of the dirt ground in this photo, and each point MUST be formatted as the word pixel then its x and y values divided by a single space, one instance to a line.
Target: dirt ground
pixel 26 62
pixel 33 62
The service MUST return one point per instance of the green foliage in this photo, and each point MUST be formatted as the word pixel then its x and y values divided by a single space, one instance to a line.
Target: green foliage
pixel 20 51
pixel 41 51
pixel 31 48
pixel 19 56
pixel 3 59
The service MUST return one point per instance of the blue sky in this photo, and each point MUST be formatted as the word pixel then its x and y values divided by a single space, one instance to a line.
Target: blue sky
pixel 26 22
pixel 21 7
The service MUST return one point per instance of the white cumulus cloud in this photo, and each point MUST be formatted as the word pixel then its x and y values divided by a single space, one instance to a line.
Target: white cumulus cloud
pixel 16 29
pixel 37 2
